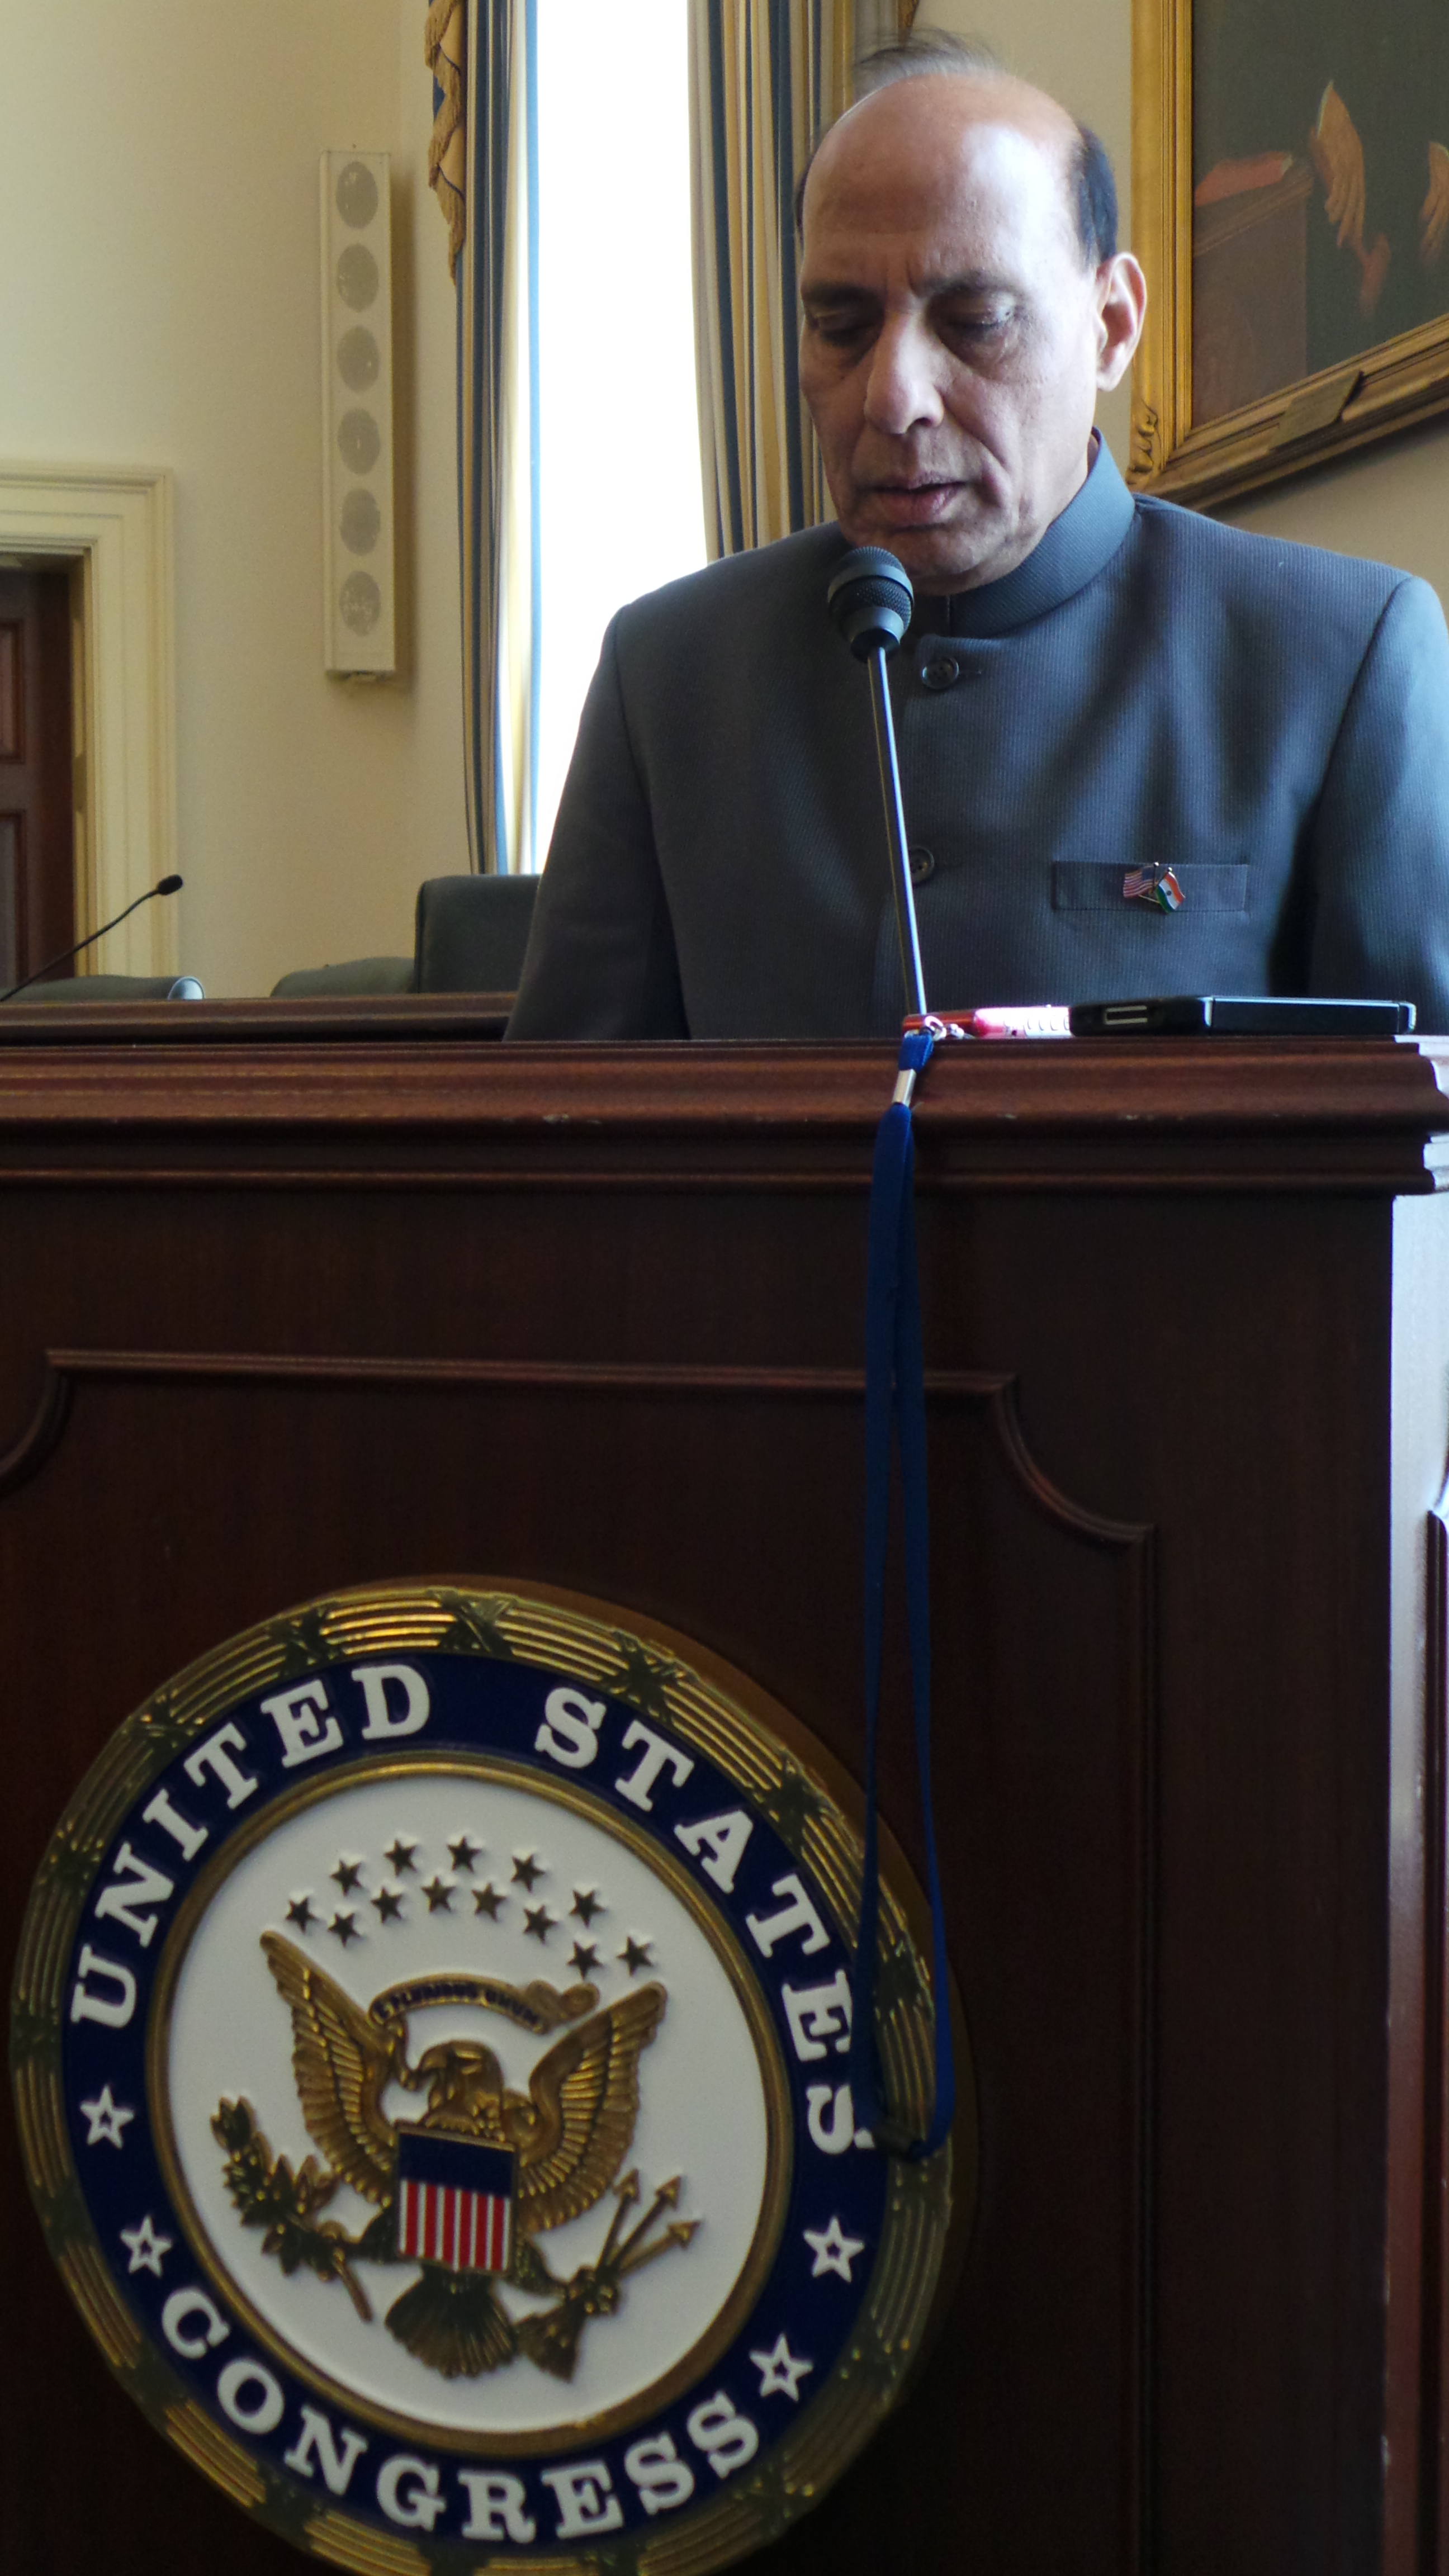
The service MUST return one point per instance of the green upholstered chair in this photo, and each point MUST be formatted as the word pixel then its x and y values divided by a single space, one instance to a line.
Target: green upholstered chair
pixel 470 935
pixel 472 932
pixel 359 975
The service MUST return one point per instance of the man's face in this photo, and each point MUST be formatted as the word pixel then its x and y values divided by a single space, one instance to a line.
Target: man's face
pixel 953 341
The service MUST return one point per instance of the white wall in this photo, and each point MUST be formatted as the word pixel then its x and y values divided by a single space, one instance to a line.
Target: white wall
pixel 1389 502
pixel 159 306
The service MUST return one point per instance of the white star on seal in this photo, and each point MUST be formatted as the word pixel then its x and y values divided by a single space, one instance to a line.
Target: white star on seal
pixel 780 2371
pixel 107 2120
pixel 832 2249
pixel 146 2247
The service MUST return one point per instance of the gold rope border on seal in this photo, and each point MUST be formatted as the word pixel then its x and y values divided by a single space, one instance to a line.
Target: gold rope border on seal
pixel 559 1633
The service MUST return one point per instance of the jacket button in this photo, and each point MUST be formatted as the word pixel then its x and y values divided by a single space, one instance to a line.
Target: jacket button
pixel 942 673
pixel 923 862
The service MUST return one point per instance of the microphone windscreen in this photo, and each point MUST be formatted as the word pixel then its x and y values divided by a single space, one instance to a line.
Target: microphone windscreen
pixel 168 885
pixel 870 600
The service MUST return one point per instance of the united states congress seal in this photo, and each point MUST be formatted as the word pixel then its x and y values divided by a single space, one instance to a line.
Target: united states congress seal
pixel 429 2042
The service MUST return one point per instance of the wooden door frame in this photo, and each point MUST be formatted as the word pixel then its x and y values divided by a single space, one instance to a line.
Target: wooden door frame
pixel 115 525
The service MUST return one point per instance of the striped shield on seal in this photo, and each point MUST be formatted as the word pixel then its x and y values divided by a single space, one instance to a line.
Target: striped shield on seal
pixel 454 2201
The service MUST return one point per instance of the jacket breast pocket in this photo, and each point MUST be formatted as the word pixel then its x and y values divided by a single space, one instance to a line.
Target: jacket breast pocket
pixel 1086 885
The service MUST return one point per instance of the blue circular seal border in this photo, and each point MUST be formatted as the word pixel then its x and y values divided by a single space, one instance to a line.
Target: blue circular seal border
pixel 865 2245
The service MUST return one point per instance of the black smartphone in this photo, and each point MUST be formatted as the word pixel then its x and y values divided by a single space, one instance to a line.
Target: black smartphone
pixel 1248 1015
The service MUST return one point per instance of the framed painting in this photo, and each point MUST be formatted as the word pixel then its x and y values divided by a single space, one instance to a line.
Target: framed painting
pixel 1290 205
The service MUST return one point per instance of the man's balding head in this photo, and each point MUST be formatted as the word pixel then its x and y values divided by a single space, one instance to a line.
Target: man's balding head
pixel 961 312
pixel 1088 176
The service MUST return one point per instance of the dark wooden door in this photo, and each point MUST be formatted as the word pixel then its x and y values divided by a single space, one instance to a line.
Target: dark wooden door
pixel 37 820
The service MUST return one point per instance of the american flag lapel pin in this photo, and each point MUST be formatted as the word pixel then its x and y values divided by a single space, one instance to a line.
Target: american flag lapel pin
pixel 1154 885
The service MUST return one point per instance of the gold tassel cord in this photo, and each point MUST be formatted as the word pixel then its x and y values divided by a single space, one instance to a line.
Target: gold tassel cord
pixel 445 40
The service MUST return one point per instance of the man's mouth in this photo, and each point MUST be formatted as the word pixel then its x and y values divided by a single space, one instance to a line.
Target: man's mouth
pixel 915 502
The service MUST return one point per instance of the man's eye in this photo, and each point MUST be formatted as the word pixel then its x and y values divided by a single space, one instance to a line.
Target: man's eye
pixel 841 330
pixel 979 323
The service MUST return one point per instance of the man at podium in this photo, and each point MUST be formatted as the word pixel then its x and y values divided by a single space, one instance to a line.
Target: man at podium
pixel 1141 753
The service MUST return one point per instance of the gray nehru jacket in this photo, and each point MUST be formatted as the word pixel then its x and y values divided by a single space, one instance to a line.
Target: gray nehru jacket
pixel 1270 721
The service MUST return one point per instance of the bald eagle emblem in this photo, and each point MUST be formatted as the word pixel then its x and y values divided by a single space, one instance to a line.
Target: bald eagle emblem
pixel 465 2190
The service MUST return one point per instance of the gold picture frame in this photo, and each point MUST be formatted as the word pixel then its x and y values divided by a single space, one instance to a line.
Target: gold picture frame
pixel 1391 386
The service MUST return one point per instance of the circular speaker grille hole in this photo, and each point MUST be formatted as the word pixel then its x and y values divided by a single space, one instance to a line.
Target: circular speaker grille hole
pixel 356 195
pixel 361 522
pixel 360 601
pixel 357 277
pixel 358 359
pixel 359 441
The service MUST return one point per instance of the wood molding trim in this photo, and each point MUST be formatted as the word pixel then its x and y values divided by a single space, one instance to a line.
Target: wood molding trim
pixel 222 1109
pixel 1184 1088
pixel 117 523
pixel 65 1370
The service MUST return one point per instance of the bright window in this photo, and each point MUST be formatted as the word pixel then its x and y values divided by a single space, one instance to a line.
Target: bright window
pixel 622 507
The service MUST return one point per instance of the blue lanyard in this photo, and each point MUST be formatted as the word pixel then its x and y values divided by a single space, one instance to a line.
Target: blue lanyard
pixel 895 1399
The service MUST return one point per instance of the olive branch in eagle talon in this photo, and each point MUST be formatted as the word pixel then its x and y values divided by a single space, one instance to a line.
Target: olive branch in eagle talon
pixel 566 2137
pixel 269 2195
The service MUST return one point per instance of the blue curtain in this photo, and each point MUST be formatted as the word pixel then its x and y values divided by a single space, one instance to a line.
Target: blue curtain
pixel 765 77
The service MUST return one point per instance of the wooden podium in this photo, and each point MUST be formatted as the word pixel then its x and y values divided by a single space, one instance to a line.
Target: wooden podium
pixel 295 1302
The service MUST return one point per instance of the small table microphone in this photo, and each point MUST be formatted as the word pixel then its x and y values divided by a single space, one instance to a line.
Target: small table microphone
pixel 870 600
pixel 163 885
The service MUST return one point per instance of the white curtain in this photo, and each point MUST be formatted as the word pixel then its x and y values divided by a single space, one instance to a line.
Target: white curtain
pixel 484 165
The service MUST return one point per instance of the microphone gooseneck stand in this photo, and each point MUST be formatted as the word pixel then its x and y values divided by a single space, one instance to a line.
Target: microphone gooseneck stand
pixel 163 885
pixel 870 600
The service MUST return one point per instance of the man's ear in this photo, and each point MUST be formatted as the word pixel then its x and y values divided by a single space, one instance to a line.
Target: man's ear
pixel 1121 310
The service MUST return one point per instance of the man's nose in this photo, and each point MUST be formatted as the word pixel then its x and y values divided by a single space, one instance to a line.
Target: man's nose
pixel 902 392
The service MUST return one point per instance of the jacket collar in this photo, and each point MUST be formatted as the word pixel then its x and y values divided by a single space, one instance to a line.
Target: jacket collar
pixel 1075 548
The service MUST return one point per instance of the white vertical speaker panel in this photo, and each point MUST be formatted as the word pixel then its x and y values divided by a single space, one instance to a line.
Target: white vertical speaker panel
pixel 357 546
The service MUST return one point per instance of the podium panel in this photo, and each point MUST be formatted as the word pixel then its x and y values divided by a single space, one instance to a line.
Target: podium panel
pixel 286 1317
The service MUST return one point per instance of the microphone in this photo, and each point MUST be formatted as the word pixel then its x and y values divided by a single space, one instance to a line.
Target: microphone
pixel 870 601
pixel 164 885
